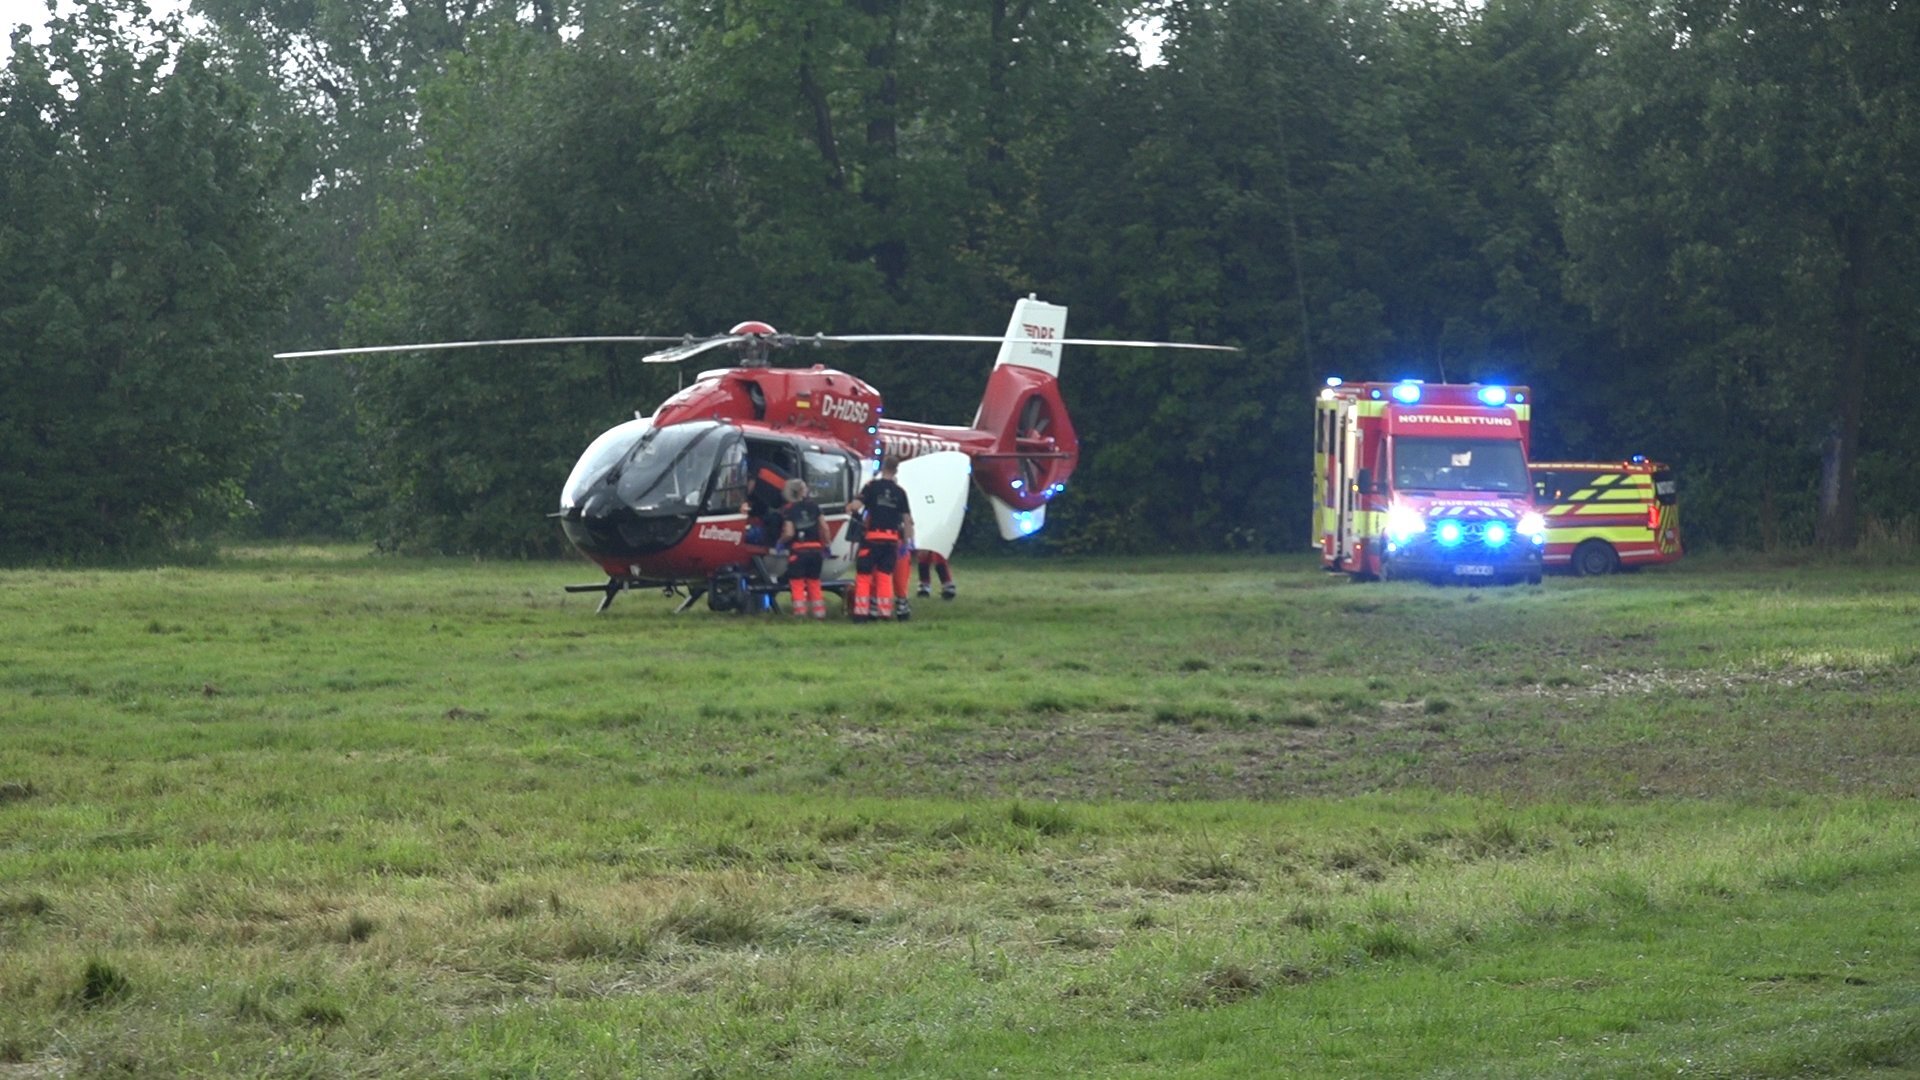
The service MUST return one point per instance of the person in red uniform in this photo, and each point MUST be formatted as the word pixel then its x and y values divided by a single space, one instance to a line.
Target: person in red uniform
pixel 882 504
pixel 803 532
pixel 937 563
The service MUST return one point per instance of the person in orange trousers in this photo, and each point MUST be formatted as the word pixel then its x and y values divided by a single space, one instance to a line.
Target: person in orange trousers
pixel 882 505
pixel 803 532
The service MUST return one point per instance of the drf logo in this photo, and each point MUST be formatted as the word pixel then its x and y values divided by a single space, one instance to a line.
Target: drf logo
pixel 1038 332
pixel 853 412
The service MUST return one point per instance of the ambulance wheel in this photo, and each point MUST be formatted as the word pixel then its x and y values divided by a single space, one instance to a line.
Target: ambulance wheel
pixel 1533 579
pixel 1595 558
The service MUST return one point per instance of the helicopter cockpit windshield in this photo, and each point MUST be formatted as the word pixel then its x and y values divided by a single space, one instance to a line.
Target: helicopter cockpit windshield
pixel 669 470
pixel 612 446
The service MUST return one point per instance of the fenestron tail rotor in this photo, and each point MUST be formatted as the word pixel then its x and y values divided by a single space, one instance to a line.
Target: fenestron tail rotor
pixel 1031 438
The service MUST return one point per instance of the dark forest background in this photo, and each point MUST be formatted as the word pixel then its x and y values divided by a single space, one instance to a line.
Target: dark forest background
pixel 1691 230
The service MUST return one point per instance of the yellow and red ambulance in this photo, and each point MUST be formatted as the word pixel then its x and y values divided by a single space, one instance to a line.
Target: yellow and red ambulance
pixel 1425 480
pixel 1603 516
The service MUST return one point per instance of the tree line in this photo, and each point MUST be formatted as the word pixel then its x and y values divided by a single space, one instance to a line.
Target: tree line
pixel 1690 229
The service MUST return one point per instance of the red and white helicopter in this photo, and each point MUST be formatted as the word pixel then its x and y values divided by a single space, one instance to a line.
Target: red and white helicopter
pixel 656 501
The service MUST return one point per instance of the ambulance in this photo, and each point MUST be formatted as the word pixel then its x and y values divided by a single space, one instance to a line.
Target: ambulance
pixel 1426 481
pixel 1604 516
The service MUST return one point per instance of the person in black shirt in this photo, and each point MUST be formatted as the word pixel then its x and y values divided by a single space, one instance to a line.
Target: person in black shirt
pixel 803 531
pixel 882 505
pixel 765 494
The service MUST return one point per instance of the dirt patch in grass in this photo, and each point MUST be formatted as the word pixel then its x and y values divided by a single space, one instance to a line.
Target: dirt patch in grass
pixel 1100 759
pixel 1661 733
pixel 1694 683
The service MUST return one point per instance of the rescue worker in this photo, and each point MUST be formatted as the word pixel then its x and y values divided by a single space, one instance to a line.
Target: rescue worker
pixel 937 563
pixel 882 505
pixel 766 493
pixel 803 531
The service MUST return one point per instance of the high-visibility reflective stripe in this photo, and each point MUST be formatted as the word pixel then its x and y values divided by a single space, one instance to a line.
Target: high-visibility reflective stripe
pixel 1613 487
pixel 1634 509
pixel 1619 534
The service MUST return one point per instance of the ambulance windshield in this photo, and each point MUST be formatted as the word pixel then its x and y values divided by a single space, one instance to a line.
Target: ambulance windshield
pixel 1426 464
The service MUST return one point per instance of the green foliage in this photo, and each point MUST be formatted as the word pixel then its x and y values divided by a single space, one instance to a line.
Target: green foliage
pixel 1690 229
pixel 1732 183
pixel 141 269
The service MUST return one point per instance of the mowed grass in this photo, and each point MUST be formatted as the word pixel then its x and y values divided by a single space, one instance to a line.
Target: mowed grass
pixel 308 813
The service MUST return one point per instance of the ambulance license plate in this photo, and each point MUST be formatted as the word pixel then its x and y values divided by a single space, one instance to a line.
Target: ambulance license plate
pixel 1471 570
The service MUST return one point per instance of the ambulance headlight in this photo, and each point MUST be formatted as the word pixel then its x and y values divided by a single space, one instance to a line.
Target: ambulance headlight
pixel 1449 533
pixel 1533 527
pixel 1407 393
pixel 1493 395
pixel 1404 523
pixel 1496 534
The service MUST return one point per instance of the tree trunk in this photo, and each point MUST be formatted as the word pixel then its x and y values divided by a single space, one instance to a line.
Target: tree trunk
pixel 882 184
pixel 1839 524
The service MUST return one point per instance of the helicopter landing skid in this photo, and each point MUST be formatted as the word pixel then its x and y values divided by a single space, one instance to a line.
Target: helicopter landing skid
pixel 616 585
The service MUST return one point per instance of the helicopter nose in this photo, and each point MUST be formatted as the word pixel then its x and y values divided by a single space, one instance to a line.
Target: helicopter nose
pixel 602 527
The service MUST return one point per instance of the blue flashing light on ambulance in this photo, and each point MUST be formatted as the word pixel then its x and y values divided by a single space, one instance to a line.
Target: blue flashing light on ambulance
pixel 1426 480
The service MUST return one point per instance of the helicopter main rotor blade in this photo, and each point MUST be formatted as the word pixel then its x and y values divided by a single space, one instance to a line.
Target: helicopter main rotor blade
pixel 434 346
pixel 689 348
pixel 862 339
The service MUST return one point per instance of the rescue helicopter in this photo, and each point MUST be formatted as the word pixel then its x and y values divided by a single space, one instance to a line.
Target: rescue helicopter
pixel 657 501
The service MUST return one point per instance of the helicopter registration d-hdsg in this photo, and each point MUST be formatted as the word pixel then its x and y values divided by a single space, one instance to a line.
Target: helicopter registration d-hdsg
pixel 656 502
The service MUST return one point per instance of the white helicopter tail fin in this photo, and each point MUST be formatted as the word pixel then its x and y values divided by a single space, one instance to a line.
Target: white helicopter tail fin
pixel 937 487
pixel 1033 334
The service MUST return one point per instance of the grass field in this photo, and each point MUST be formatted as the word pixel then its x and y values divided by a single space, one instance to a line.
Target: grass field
pixel 307 813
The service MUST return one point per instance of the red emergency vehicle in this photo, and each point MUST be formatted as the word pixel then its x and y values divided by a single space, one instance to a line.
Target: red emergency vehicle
pixel 1425 480
pixel 1604 516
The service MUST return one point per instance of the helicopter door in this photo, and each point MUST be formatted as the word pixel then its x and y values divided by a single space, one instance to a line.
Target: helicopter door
pixel 937 490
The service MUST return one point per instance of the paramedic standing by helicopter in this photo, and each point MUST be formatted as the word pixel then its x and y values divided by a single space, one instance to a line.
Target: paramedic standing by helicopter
pixel 802 532
pixel 882 504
